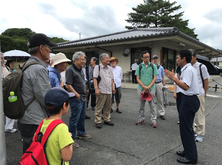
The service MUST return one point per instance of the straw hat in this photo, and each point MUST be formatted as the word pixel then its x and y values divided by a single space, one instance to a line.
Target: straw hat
pixel 59 58
pixel 113 58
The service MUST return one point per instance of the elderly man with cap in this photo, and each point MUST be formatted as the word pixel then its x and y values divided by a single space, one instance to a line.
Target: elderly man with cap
pixel 133 67
pixel 160 82
pixel 118 75
pixel 60 63
pixel 35 84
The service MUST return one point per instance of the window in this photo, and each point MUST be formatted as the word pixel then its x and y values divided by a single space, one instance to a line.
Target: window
pixel 169 58
pixel 89 55
pixel 136 54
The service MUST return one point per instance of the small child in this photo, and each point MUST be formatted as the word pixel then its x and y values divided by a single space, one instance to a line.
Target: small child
pixel 59 144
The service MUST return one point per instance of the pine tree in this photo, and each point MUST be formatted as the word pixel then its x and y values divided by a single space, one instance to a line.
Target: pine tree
pixel 159 13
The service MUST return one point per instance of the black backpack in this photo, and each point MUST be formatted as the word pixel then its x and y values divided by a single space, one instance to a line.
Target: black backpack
pixel 91 84
pixel 13 82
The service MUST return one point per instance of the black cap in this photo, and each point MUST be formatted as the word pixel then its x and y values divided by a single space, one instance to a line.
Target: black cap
pixel 38 39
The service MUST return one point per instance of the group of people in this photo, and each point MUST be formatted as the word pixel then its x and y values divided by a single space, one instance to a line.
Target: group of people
pixel 45 77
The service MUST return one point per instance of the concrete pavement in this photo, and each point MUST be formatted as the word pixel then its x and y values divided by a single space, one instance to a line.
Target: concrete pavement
pixel 125 143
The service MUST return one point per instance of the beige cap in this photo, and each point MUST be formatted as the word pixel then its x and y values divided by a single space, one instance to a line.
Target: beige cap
pixel 59 58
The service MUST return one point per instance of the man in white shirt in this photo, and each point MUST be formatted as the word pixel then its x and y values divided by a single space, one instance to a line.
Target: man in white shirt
pixel 188 87
pixel 203 76
pixel 118 75
pixel 133 67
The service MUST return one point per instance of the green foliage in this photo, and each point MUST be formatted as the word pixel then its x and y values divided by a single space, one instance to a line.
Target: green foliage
pixel 158 13
pixel 17 38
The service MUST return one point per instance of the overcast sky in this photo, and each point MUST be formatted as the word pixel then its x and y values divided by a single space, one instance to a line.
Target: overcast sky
pixel 68 18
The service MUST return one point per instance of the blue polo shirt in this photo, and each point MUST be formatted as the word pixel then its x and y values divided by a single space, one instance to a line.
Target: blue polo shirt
pixel 54 77
pixel 160 73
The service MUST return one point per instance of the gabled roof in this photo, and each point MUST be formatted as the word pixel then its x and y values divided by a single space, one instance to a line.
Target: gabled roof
pixel 135 34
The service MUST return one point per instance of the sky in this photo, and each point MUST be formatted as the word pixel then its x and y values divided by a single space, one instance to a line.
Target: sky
pixel 70 18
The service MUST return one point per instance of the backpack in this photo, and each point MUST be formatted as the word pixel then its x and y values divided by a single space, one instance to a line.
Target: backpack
pixel 13 82
pixel 91 84
pixel 35 154
pixel 140 67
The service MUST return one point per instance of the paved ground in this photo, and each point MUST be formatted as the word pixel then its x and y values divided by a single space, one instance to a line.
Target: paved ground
pixel 126 143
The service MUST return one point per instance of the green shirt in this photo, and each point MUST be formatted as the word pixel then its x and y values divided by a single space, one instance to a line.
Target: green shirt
pixel 146 75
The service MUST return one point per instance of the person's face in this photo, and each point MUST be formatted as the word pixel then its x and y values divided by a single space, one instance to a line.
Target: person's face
pixel 112 63
pixel 45 52
pixel 92 62
pixel 80 62
pixel 11 65
pixel 146 58
pixel 193 59
pixel 105 60
pixel 156 61
pixel 2 60
pixel 62 66
pixel 179 60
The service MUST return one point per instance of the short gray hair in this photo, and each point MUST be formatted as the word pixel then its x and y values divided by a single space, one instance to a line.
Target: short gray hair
pixel 33 50
pixel 94 59
pixel 77 54
pixel 101 57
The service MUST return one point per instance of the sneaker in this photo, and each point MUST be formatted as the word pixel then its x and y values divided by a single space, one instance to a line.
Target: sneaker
pixel 199 138
pixel 93 108
pixel 13 130
pixel 154 125
pixel 162 117
pixel 75 145
pixel 84 136
pixel 139 122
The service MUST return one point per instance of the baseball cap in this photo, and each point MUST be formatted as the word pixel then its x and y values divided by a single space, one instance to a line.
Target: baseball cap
pixel 38 39
pixel 154 56
pixel 56 97
pixel 59 58
pixel 146 96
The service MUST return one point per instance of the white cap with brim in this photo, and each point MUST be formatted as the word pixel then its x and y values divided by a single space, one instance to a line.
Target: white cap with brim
pixel 59 58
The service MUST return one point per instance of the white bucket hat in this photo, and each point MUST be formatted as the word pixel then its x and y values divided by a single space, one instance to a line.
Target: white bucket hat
pixel 59 58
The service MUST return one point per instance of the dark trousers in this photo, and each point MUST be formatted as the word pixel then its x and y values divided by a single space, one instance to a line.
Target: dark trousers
pixel 93 98
pixel 134 77
pixel 27 132
pixel 188 106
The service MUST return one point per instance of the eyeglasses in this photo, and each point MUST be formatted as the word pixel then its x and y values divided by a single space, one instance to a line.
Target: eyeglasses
pixel 83 59
pixel 111 61
pixel 146 57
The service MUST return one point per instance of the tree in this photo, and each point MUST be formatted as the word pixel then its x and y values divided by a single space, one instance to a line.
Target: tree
pixel 17 38
pixel 159 13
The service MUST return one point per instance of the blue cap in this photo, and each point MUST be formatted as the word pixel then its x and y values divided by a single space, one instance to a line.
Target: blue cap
pixel 155 56
pixel 57 96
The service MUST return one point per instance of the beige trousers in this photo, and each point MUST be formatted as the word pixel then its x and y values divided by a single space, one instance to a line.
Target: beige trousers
pixel 159 98
pixel 103 101
pixel 200 117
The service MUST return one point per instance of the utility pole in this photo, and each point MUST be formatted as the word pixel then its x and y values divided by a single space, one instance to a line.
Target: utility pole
pixel 2 124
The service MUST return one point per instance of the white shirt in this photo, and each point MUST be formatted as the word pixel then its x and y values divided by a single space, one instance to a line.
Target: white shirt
pixel 205 75
pixel 189 77
pixel 134 66
pixel 118 75
pixel 84 71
